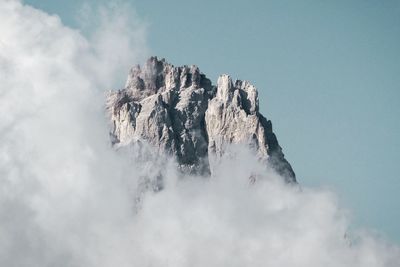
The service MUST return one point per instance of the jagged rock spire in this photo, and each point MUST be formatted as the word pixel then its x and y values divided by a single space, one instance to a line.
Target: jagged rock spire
pixel 179 111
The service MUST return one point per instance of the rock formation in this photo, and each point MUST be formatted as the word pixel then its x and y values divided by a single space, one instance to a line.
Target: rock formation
pixel 179 111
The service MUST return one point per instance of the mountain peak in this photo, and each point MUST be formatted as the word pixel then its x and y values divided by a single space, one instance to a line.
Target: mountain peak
pixel 180 112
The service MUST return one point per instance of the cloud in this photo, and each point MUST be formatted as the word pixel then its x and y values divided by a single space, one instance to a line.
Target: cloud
pixel 69 199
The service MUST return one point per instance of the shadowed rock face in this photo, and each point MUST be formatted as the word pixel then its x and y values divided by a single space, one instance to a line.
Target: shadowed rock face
pixel 180 112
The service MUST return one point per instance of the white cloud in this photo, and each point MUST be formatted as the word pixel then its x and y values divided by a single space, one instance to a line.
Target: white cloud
pixel 68 199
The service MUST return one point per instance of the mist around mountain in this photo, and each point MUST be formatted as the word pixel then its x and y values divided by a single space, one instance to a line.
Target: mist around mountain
pixel 70 198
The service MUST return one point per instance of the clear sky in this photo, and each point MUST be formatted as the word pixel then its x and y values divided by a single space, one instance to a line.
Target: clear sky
pixel 328 74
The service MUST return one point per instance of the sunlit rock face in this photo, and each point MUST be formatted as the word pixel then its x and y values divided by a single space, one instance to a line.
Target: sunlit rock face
pixel 179 111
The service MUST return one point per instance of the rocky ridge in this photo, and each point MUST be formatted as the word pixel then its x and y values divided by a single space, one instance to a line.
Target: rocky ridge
pixel 180 112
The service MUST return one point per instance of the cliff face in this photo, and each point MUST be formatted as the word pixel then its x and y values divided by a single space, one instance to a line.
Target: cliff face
pixel 179 111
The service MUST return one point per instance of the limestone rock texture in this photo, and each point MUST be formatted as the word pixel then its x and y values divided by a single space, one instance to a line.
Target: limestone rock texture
pixel 178 111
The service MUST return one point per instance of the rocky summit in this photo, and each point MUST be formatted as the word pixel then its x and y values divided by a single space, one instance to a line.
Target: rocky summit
pixel 180 112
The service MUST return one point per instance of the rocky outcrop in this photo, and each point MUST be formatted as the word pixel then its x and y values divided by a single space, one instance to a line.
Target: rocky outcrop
pixel 178 111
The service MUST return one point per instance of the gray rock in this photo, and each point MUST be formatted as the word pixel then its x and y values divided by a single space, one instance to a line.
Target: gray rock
pixel 178 111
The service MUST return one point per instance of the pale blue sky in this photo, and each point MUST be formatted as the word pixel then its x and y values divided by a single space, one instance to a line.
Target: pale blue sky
pixel 328 73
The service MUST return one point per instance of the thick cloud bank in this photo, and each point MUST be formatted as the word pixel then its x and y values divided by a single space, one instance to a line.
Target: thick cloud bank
pixel 68 199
